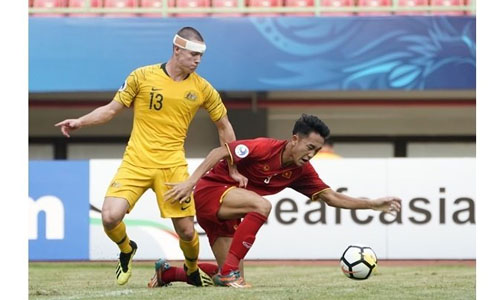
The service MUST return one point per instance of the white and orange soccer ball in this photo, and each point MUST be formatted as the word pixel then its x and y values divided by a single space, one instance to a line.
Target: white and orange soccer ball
pixel 358 262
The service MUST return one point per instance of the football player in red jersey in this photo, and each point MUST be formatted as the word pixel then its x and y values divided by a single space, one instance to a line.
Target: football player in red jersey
pixel 232 215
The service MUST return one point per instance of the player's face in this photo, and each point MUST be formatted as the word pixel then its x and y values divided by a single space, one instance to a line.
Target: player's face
pixel 305 147
pixel 188 60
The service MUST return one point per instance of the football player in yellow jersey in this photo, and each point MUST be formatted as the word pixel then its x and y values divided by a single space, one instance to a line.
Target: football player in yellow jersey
pixel 165 98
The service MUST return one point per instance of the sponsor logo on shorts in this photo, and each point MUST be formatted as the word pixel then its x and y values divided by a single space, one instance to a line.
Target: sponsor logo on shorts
pixel 185 207
pixel 116 184
pixel 241 151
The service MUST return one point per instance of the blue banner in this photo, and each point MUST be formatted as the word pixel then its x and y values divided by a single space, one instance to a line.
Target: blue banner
pixel 261 54
pixel 59 210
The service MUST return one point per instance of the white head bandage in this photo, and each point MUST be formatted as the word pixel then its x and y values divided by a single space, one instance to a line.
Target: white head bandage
pixel 189 45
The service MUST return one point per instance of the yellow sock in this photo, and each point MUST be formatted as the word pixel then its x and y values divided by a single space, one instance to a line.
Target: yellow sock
pixel 191 249
pixel 120 237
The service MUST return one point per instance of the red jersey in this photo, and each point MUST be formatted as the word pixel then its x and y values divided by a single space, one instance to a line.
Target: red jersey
pixel 260 161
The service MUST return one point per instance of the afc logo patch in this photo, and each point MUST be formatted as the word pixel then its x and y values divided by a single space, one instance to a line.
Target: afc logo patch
pixel 241 151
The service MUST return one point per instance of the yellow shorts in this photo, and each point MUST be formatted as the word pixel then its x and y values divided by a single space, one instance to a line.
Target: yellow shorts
pixel 130 182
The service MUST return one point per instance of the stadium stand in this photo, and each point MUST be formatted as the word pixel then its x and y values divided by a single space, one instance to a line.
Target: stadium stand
pixel 449 3
pixel 204 8
pixel 192 4
pixel 226 4
pixel 264 4
pixel 337 3
pixel 48 4
pixel 299 3
pixel 82 4
pixel 155 4
pixel 374 3
pixel 121 4
pixel 413 3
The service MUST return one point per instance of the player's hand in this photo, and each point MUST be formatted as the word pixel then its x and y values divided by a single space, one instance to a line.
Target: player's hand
pixel 179 192
pixel 390 205
pixel 68 125
pixel 236 176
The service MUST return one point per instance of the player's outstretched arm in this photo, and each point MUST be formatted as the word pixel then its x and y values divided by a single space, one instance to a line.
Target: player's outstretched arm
pixel 385 204
pixel 99 115
pixel 226 135
pixel 182 191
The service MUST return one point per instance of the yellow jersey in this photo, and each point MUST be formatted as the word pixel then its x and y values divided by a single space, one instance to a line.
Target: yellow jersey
pixel 163 110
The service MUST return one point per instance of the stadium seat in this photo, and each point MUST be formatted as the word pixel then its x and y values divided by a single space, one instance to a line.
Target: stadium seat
pixel 374 3
pixel 155 4
pixel 226 3
pixel 192 4
pixel 299 3
pixel 82 3
pixel 450 3
pixel 264 3
pixel 413 3
pixel 49 4
pixel 337 3
pixel 120 4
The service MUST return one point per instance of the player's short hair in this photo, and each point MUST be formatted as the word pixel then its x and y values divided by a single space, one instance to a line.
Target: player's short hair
pixel 189 33
pixel 309 123
pixel 330 140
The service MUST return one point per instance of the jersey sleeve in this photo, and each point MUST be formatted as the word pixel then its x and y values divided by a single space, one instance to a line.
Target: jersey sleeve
pixel 129 89
pixel 212 102
pixel 244 150
pixel 309 183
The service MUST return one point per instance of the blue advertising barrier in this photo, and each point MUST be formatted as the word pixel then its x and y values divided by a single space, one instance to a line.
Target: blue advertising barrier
pixel 59 210
pixel 261 54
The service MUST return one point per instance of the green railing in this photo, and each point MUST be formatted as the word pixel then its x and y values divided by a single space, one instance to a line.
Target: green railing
pixel 317 9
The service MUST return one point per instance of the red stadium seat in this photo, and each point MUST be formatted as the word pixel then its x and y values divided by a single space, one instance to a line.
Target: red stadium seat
pixel 192 4
pixel 226 3
pixel 121 4
pixel 337 3
pixel 49 4
pixel 413 3
pixel 155 4
pixel 82 3
pixel 264 3
pixel 299 3
pixel 374 3
pixel 450 3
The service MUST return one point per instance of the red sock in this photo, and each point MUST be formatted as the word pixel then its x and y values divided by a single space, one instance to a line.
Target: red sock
pixel 178 274
pixel 174 274
pixel 210 269
pixel 242 241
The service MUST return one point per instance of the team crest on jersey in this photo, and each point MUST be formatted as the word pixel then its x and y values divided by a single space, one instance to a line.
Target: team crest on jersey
pixel 123 86
pixel 266 167
pixel 287 174
pixel 241 151
pixel 191 96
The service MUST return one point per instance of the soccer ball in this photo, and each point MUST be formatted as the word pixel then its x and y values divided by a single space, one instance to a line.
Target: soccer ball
pixel 358 262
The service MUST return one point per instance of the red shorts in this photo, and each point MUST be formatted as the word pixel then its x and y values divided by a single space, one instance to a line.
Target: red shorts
pixel 208 197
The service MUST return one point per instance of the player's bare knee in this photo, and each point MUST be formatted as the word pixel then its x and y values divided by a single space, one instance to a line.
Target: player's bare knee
pixel 186 233
pixel 263 207
pixel 109 219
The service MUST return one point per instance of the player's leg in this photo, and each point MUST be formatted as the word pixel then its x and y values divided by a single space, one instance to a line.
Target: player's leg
pixel 127 186
pixel 254 209
pixel 220 250
pixel 182 216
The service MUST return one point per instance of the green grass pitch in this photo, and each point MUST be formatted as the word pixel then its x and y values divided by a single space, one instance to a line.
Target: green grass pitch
pixel 80 280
